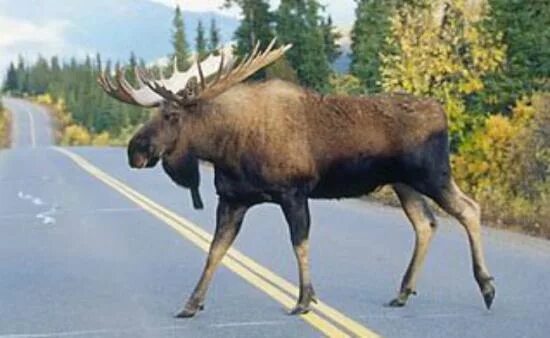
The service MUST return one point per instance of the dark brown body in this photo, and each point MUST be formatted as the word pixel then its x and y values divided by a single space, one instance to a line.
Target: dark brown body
pixel 277 142
pixel 329 147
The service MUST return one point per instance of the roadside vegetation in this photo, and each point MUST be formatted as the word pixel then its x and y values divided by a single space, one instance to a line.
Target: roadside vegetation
pixel 4 127
pixel 487 62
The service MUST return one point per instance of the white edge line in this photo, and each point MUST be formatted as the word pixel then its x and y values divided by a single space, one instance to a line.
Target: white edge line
pixel 31 123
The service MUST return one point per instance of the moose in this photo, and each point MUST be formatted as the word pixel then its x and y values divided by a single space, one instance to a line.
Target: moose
pixel 277 142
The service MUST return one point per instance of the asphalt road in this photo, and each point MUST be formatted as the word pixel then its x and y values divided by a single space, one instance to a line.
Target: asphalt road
pixel 83 255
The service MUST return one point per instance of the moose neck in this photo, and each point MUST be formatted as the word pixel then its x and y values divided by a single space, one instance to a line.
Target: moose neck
pixel 212 135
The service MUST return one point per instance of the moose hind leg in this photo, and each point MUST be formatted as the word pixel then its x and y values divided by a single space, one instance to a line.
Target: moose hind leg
pixel 468 213
pixel 228 223
pixel 424 224
pixel 296 211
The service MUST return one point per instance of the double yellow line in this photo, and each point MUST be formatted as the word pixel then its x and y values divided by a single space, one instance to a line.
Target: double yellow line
pixel 324 318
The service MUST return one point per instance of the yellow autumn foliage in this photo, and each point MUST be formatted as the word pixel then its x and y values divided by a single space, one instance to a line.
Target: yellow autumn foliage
pixel 44 99
pixel 68 132
pixel 101 140
pixel 4 127
pixel 438 49
pixel 75 135
pixel 505 165
pixel 345 84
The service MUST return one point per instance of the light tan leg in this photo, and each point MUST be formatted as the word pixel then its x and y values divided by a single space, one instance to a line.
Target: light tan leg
pixel 424 225
pixel 468 213
pixel 229 220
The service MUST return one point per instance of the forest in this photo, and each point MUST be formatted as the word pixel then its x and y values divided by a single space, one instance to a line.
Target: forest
pixel 486 61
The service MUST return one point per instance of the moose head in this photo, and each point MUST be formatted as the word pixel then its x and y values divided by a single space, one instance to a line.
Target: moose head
pixel 179 98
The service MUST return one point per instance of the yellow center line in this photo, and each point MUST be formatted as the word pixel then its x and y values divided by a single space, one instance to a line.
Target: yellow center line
pixel 278 288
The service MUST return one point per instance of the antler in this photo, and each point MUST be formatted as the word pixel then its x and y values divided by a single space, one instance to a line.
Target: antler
pixel 169 89
pixel 113 90
pixel 151 92
pixel 123 91
pixel 246 68
pixel 180 87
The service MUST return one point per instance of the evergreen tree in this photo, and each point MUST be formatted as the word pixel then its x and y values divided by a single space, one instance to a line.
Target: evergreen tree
pixel 368 36
pixel 22 76
pixel 214 38
pixel 181 48
pixel 200 42
pixel 331 37
pixel 54 64
pixel 55 70
pixel 73 87
pixel 39 77
pixel 132 63
pixel 525 28
pixel 98 63
pixel 11 84
pixel 299 23
pixel 255 26
pixel 108 66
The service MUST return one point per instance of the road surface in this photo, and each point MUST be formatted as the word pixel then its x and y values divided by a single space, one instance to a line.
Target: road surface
pixel 90 248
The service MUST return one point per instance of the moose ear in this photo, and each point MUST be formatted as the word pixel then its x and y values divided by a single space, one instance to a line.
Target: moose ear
pixel 191 90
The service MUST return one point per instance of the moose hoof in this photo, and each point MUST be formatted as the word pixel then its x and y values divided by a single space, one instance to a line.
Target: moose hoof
pixel 299 310
pixel 189 311
pixel 307 296
pixel 402 298
pixel 397 302
pixel 488 293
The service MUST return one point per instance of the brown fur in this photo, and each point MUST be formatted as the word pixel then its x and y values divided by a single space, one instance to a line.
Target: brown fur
pixel 296 134
pixel 277 142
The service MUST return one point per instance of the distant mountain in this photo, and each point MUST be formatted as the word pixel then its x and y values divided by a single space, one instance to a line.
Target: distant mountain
pixel 115 28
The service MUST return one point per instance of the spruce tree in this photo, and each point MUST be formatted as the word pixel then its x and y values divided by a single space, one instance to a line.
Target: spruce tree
pixel 55 76
pixel 331 37
pixel 54 64
pixel 22 76
pixel 200 42
pixel 368 36
pixel 98 63
pixel 214 38
pixel 525 28
pixel 181 48
pixel 132 63
pixel 255 26
pixel 10 85
pixel 299 23
pixel 39 76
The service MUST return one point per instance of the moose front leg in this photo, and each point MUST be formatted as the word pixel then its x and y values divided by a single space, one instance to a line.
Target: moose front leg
pixel 228 223
pixel 296 211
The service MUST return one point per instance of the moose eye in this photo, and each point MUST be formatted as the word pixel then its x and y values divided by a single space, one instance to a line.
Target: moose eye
pixel 172 118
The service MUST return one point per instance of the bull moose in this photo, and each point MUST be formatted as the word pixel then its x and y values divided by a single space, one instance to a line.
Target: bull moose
pixel 275 141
